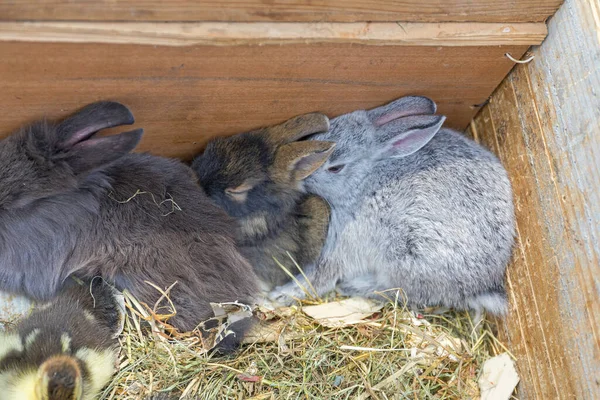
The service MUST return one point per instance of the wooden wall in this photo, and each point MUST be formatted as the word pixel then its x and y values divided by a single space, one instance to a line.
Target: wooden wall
pixel 280 10
pixel 544 123
pixel 188 83
pixel 191 70
pixel 183 96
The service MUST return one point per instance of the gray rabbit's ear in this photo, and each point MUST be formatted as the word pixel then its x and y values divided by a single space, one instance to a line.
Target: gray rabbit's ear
pixel 404 136
pixel 93 153
pixel 83 151
pixel 403 107
pixel 89 120
pixel 297 161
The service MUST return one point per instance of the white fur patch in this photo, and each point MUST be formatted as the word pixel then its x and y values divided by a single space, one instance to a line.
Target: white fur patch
pixel 101 365
pixel 65 341
pixel 30 339
pixel 89 316
pixel 9 342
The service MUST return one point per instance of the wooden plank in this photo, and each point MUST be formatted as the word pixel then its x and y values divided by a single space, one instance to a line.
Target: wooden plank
pixel 183 96
pixel 546 123
pixel 238 33
pixel 281 10
pixel 512 329
pixel 534 272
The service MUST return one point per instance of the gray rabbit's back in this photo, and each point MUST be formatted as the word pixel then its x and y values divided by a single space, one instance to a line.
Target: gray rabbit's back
pixel 438 224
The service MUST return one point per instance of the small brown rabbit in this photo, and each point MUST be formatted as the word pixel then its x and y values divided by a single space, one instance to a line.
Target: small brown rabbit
pixel 257 178
pixel 74 203
pixel 66 349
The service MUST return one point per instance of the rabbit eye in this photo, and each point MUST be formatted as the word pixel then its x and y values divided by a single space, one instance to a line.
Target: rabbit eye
pixel 241 189
pixel 240 197
pixel 336 168
pixel 239 193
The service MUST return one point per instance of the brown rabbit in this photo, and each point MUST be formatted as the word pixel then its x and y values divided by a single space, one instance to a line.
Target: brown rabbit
pixel 66 349
pixel 257 178
pixel 73 203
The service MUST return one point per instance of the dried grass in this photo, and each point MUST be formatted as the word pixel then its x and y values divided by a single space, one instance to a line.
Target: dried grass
pixel 391 355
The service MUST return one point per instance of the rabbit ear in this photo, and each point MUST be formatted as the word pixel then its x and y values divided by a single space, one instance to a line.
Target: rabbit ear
pixel 297 161
pixel 91 119
pixel 297 128
pixel 93 153
pixel 76 136
pixel 404 136
pixel 403 107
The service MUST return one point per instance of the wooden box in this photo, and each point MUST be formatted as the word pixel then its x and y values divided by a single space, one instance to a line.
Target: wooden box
pixel 192 70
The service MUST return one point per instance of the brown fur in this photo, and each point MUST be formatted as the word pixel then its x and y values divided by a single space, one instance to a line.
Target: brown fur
pixel 257 178
pixel 61 378
pixel 296 128
pixel 296 161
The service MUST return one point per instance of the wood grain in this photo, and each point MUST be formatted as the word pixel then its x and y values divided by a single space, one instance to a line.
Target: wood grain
pixel 281 10
pixel 241 33
pixel 183 96
pixel 544 122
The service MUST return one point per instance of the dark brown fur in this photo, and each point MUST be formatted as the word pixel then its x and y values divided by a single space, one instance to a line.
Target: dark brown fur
pixel 257 178
pixel 65 376
pixel 82 205
pixel 87 315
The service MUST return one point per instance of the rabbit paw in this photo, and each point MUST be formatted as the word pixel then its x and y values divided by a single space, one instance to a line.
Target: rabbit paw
pixel 362 286
pixel 286 294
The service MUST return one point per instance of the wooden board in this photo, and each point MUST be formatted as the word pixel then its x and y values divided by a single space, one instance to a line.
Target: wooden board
pixel 183 96
pixel 544 122
pixel 237 33
pixel 281 10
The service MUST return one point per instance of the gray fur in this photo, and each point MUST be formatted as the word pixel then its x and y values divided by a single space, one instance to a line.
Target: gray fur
pixel 427 212
pixel 71 203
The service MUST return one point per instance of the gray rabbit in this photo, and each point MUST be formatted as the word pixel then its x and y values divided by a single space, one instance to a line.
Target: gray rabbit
pixel 75 203
pixel 257 178
pixel 413 207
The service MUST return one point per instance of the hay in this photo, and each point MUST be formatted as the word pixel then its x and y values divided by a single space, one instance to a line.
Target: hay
pixel 390 355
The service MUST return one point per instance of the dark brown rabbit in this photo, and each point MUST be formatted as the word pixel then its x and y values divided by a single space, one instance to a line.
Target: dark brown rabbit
pixel 73 203
pixel 66 349
pixel 257 178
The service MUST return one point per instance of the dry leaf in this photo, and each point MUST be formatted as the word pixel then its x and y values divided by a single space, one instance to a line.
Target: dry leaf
pixel 448 347
pixel 499 378
pixel 344 312
pixel 268 313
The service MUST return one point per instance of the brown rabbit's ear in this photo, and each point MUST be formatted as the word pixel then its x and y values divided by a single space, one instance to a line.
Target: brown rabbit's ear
pixel 297 128
pixel 297 161
pixel 82 150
